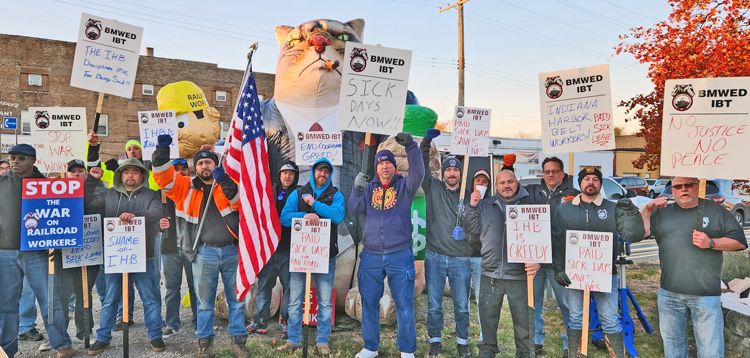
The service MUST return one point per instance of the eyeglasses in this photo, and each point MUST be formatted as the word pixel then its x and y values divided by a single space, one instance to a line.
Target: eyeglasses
pixel 21 158
pixel 680 186
pixel 553 172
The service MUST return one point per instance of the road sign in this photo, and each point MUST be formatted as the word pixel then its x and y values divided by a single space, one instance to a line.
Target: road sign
pixel 10 123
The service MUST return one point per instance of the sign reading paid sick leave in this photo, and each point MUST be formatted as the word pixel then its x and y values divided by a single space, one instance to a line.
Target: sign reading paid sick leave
pixel 312 146
pixel 471 131
pixel 529 234
pixel 151 124
pixel 91 253
pixel 374 80
pixel 310 246
pixel 588 260
pixel 706 128
pixel 106 56
pixel 59 135
pixel 124 245
pixel 576 109
pixel 52 214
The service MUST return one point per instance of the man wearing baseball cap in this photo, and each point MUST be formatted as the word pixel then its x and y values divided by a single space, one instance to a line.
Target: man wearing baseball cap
pixel 481 177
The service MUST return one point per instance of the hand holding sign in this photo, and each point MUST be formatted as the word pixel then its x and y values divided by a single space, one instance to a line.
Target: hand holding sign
pixel 126 217
pixel 313 219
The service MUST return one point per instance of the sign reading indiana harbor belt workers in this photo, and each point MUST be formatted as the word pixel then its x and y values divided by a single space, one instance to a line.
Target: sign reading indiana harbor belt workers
pixel 52 214
pixel 310 251
pixel 588 259
pixel 59 135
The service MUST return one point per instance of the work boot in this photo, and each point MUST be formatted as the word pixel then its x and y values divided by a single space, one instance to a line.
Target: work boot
pixel 574 342
pixel 31 335
pixel 463 351
pixel 97 348
pixel 539 348
pixel 615 345
pixel 323 350
pixel 66 352
pixel 238 347
pixel 436 348
pixel 205 348
pixel 157 345
pixel 288 347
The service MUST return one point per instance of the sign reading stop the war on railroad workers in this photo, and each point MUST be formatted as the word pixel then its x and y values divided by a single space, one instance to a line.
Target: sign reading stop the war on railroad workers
pixel 576 109
pixel 310 246
pixel 706 128
pixel 312 146
pixel 92 252
pixel 59 135
pixel 106 56
pixel 529 234
pixel 588 260
pixel 471 131
pixel 52 214
pixel 374 80
pixel 124 245
pixel 153 123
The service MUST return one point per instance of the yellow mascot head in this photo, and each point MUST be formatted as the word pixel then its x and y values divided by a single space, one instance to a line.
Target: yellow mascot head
pixel 197 123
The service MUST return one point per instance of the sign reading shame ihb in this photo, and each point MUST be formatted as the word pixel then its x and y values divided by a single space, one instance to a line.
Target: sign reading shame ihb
pixel 52 214
pixel 153 123
pixel 309 251
pixel 91 252
pixel 124 245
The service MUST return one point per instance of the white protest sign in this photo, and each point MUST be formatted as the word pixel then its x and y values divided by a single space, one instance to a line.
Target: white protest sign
pixel 312 146
pixel 705 128
pixel 471 131
pixel 529 234
pixel 106 56
pixel 92 251
pixel 588 260
pixel 374 80
pixel 124 245
pixel 59 135
pixel 576 110
pixel 153 123
pixel 310 246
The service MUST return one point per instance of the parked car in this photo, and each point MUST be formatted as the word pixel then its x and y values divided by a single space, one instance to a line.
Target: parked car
pixel 637 184
pixel 656 186
pixel 611 189
pixel 721 192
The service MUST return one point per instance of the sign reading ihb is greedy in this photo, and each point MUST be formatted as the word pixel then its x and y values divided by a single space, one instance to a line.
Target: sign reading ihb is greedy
pixel 52 214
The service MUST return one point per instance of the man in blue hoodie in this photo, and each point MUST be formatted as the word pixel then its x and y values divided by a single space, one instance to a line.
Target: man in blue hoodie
pixel 317 200
pixel 386 204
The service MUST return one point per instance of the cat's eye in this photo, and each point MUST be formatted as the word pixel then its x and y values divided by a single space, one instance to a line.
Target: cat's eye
pixel 343 37
pixel 294 42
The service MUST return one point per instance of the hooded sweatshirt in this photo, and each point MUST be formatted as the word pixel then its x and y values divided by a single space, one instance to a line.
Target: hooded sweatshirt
pixel 329 204
pixel 93 160
pixel 281 196
pixel 11 187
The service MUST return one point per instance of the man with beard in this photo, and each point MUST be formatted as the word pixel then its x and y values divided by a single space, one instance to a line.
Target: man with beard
pixel 500 278
pixel 447 254
pixel 481 178
pixel 589 211
pixel 691 231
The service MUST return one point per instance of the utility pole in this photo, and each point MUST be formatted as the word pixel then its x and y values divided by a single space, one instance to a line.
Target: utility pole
pixel 461 64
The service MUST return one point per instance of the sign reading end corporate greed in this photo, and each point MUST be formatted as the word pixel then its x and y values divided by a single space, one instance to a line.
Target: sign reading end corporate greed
pixel 52 214
pixel 312 146
pixel 106 56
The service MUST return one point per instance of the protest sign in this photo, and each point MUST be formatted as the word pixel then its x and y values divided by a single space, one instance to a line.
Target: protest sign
pixel 471 131
pixel 106 56
pixel 705 131
pixel 374 80
pixel 52 212
pixel 588 260
pixel 124 245
pixel 153 123
pixel 312 146
pixel 59 135
pixel 576 110
pixel 529 234
pixel 92 252
pixel 310 246
pixel 314 306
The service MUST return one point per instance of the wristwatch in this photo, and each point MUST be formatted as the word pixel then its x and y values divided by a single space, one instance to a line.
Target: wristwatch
pixel 711 244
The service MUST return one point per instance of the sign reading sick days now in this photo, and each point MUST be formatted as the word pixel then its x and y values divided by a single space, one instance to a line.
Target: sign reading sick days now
pixel 52 214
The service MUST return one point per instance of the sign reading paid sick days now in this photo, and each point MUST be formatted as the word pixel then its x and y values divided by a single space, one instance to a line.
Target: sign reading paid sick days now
pixel 588 260
pixel 52 214
pixel 310 246
pixel 106 56
pixel 124 245
pixel 59 135
pixel 92 252
pixel 706 128
pixel 471 131
pixel 529 234
pixel 576 109
pixel 312 146
pixel 374 80
pixel 151 124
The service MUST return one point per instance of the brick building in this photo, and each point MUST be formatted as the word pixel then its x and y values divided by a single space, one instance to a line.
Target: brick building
pixel 627 149
pixel 36 72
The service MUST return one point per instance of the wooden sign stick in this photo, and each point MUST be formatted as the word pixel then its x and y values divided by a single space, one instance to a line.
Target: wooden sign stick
pixel 306 320
pixel 98 111
pixel 530 299
pixel 125 315
pixel 85 279
pixel 51 289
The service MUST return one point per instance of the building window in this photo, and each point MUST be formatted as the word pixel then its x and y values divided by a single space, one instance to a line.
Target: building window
pixel 224 130
pixel 147 90
pixel 103 129
pixel 25 122
pixel 35 80
pixel 221 96
pixel 261 97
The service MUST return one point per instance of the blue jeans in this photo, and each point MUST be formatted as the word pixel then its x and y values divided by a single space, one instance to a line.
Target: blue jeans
pixel 277 266
pixel 324 285
pixel 33 265
pixel 458 270
pixel 209 262
pixel 708 324
pixel 546 273
pixel 27 309
pixel 101 289
pixel 606 303
pixel 173 266
pixel 476 278
pixel 399 268
pixel 149 292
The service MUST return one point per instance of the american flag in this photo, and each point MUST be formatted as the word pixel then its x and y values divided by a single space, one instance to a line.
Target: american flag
pixel 247 163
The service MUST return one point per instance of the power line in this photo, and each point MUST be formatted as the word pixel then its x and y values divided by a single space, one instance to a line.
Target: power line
pixel 631 11
pixel 556 20
pixel 595 14
pixel 486 75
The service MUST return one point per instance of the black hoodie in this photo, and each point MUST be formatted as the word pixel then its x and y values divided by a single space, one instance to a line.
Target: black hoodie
pixel 281 196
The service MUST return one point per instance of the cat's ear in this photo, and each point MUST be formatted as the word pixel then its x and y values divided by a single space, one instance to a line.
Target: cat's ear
pixel 281 33
pixel 358 25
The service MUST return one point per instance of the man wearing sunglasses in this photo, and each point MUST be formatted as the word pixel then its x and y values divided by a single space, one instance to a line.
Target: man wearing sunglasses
pixel 4 166
pixel 692 234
